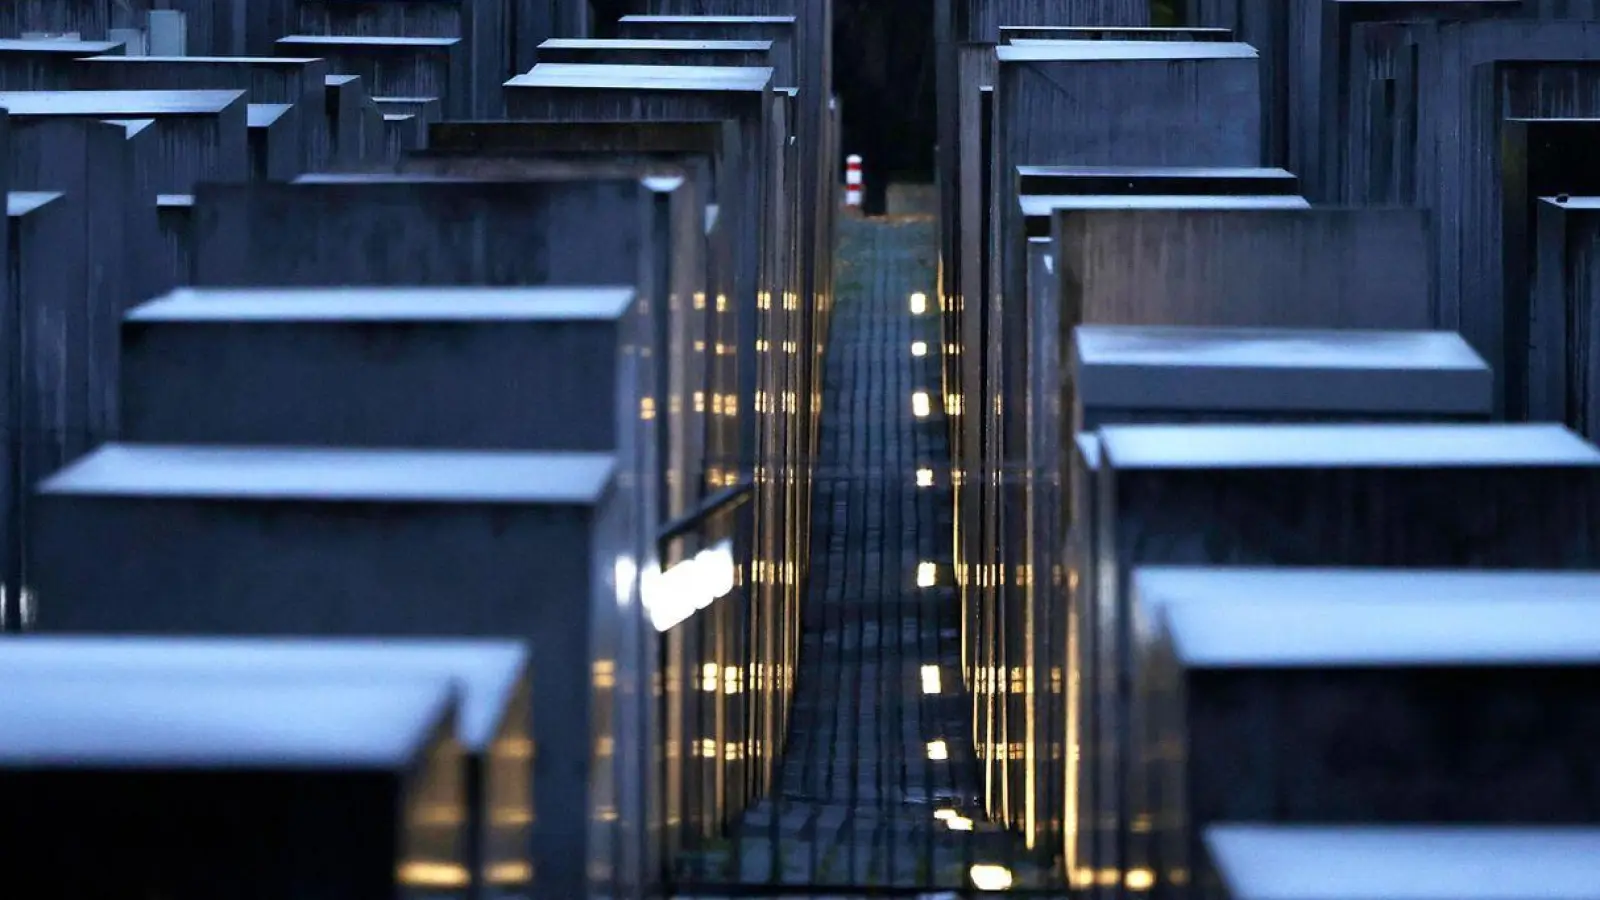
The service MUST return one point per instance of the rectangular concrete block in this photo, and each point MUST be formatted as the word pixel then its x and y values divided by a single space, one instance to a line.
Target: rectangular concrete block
pixel 1361 861
pixel 1027 34
pixel 1380 495
pixel 186 779
pixel 980 20
pixel 392 66
pixel 402 133
pixel 277 143
pixel 492 725
pixel 1170 180
pixel 483 57
pixel 780 31
pixel 264 80
pixel 525 546
pixel 345 96
pixel 1563 376
pixel 597 51
pixel 175 220
pixel 1239 716
pixel 203 132
pixel 1539 159
pixel 45 65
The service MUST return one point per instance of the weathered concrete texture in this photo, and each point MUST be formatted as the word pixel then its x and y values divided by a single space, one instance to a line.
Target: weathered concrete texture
pixel 1413 496
pixel 491 721
pixel 392 66
pixel 1028 34
pixel 1377 715
pixel 383 535
pixel 316 766
pixel 277 142
pixel 980 20
pixel 402 133
pixel 1167 180
pixel 481 59
pixel 1352 860
pixel 45 65
pixel 203 132
pixel 301 82
pixel 657 52
pixel 780 31
pixel 1563 363
pixel 175 223
pixel 1538 158
pixel 1309 268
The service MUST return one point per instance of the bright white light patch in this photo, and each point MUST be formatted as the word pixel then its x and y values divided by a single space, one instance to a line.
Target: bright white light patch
pixel 938 751
pixel 919 303
pixel 919 348
pixel 930 680
pixel 920 405
pixel 990 878
pixel 927 574
pixel 924 478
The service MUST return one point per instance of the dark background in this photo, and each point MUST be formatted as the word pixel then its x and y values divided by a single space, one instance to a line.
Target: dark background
pixel 883 75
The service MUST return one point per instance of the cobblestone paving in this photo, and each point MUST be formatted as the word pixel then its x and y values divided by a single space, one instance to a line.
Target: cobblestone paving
pixel 859 791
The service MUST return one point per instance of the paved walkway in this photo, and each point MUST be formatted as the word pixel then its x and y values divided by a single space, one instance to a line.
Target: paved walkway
pixel 859 790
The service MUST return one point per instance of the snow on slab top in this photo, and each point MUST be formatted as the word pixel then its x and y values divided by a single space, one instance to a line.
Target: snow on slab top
pixel 383 304
pixel 661 78
pixel 1344 446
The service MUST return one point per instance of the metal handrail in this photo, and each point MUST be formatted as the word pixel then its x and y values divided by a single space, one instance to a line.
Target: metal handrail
pixel 723 501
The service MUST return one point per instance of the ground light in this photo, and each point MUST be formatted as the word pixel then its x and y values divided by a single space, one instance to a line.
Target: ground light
pixel 938 751
pixel 990 878
pixel 921 407
pixel 924 478
pixel 927 575
pixel 919 348
pixel 919 303
pixel 958 823
pixel 930 680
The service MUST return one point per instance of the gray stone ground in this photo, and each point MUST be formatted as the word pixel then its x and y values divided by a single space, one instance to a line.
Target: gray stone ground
pixel 858 790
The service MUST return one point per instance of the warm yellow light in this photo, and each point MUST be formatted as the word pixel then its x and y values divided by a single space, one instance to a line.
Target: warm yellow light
pixel 434 875
pixel 927 575
pixel 919 348
pixel 920 405
pixel 944 815
pixel 990 878
pixel 1140 879
pixel 958 823
pixel 930 680
pixel 510 873
pixel 924 478
pixel 938 751
pixel 919 303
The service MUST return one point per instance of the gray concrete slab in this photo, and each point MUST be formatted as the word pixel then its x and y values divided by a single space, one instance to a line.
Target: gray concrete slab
pixel 781 31
pixel 345 96
pixel 392 66
pixel 1562 376
pixel 980 20
pixel 1378 668
pixel 482 59
pixel 263 79
pixel 277 141
pixel 315 766
pixel 1384 495
pixel 1012 34
pixel 1264 862
pixel 596 51
pixel 385 536
pixel 175 223
pixel 45 65
pixel 492 723
pixel 402 133
pixel 203 132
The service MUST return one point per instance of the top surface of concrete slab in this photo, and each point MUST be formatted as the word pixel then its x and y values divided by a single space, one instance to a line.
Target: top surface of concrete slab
pixel 20 203
pixel 1344 446
pixel 212 723
pixel 487 669
pixel 716 20
pixel 262 115
pixel 1412 862
pixel 286 61
pixel 1196 172
pixel 131 127
pixel 356 40
pixel 1089 447
pixel 337 475
pixel 1038 205
pixel 111 104
pixel 1269 348
pixel 174 201
pixel 65 48
pixel 538 304
pixel 1578 203
pixel 1106 51
pixel 621 77
pixel 1222 618
pixel 651 44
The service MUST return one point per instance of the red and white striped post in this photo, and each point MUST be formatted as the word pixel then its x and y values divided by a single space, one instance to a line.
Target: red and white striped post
pixel 852 181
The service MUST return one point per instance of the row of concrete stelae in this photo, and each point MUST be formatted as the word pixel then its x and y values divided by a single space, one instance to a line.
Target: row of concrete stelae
pixel 1268 366
pixel 406 420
